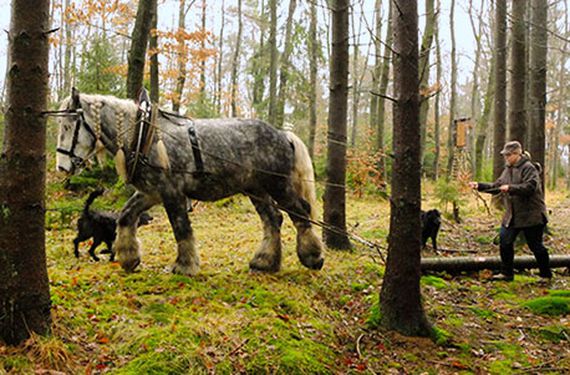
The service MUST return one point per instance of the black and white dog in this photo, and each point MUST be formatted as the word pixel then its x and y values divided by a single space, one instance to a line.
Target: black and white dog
pixel 431 221
pixel 101 226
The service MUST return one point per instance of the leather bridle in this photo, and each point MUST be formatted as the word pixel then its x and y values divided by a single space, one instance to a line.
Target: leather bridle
pixel 80 122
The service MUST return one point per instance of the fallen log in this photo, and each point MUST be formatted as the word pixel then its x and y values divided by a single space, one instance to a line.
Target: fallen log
pixel 459 264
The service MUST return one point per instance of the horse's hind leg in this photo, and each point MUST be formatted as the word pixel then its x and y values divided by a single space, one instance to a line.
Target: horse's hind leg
pixel 187 261
pixel 127 246
pixel 309 245
pixel 268 256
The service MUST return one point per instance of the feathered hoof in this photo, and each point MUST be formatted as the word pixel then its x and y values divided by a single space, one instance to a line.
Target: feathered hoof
pixel 314 264
pixel 186 270
pixel 131 264
pixel 265 263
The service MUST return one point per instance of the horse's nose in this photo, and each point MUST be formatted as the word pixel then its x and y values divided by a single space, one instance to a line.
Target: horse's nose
pixel 62 169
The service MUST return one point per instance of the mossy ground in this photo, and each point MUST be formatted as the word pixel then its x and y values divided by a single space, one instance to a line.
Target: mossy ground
pixel 227 320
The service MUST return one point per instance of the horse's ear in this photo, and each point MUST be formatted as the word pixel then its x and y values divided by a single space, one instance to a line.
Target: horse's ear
pixel 143 96
pixel 75 98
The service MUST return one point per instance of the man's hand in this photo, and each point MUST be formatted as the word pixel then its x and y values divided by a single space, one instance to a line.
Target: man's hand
pixel 504 188
pixel 473 185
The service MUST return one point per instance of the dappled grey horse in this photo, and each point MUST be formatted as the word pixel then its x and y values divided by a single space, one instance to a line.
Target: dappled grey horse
pixel 208 159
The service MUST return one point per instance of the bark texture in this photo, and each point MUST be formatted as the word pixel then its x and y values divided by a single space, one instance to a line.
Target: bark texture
pixel 24 286
pixel 400 298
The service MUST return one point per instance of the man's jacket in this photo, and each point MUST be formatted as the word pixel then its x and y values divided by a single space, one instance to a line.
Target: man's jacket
pixel 524 201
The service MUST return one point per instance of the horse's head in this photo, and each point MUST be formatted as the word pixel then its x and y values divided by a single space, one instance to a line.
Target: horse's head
pixel 76 138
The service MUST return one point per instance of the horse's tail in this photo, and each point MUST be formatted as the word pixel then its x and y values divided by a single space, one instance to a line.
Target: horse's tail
pixel 303 174
pixel 94 194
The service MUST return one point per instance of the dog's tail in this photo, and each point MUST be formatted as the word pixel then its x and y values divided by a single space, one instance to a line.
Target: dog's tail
pixel 303 174
pixel 94 194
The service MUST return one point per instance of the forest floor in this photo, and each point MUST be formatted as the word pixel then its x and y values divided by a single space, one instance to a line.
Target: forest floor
pixel 227 320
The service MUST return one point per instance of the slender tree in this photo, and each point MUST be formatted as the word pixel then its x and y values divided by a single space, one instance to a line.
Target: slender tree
pixel 377 64
pixel 235 62
pixel 453 89
pixel 436 132
pixel 384 78
pixel 313 69
pixel 181 56
pixel 203 62
pixel 153 46
pixel 538 52
pixel 284 71
pixel 139 43
pixel 560 113
pixel 24 285
pixel 335 192
pixel 273 57
pixel 424 66
pixel 400 298
pixel 220 62
pixel 500 114
pixel 517 111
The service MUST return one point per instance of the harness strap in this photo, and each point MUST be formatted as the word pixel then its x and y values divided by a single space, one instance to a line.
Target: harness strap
pixel 195 148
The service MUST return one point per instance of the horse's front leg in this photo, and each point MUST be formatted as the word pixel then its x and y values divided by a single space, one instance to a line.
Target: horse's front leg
pixel 187 261
pixel 127 246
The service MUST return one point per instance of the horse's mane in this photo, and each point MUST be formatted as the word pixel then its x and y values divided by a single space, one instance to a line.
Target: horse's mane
pixel 119 105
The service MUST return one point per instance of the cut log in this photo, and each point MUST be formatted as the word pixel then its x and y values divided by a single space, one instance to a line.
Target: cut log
pixel 459 264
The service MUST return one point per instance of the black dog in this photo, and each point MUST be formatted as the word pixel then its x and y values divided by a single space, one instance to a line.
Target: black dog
pixel 101 226
pixel 431 221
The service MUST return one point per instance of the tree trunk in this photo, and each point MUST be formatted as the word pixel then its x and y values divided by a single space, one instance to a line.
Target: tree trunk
pixel 561 102
pixel 235 64
pixel 384 78
pixel 424 66
pixel 376 71
pixel 462 264
pixel 259 69
pixel 335 192
pixel 220 61
pixel 483 122
pixel 273 56
pixel 284 72
pixel 24 286
pixel 355 82
pixel 517 112
pixel 313 68
pixel 452 88
pixel 538 50
pixel 400 298
pixel 67 73
pixel 475 88
pixel 436 135
pixel 500 116
pixel 181 58
pixel 139 42
pixel 153 46
pixel 203 62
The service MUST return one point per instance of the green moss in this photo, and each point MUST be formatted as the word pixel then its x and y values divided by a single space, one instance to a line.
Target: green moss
pixel 374 316
pixel 552 306
pixel 358 287
pixel 436 282
pixel 441 336
pixel 482 313
pixel 501 367
pixel 559 293
pixel 455 321
pixel 554 333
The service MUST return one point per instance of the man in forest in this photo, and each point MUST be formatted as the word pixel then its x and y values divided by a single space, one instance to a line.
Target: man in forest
pixel 525 211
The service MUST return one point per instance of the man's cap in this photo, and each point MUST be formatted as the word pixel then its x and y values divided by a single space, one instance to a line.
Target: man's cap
pixel 511 147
